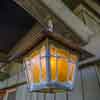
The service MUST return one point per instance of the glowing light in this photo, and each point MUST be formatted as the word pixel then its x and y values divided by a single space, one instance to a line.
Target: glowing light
pixel 62 65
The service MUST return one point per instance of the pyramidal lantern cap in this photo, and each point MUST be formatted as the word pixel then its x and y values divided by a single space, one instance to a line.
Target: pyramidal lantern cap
pixel 50 67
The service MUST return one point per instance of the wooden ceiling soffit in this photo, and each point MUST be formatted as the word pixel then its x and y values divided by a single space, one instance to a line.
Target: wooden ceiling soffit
pixel 70 20
pixel 93 6
pixel 40 12
pixel 82 9
pixel 31 38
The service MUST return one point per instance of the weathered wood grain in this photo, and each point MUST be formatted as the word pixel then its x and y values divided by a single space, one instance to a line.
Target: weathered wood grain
pixel 90 84
pixel 76 93
pixel 61 96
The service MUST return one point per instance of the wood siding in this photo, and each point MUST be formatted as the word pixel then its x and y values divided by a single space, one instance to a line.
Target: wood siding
pixel 87 87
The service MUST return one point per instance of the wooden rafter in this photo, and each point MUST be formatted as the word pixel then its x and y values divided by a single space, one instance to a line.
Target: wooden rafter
pixel 41 11
pixel 93 6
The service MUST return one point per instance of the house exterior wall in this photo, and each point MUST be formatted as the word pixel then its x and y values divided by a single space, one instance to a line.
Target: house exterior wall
pixel 87 87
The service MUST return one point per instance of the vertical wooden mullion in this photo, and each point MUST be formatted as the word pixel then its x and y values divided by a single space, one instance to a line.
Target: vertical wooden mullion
pixel 48 70
pixel 56 66
pixel 40 67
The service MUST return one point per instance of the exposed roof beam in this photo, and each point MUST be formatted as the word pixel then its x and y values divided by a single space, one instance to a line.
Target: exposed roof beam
pixel 72 21
pixel 30 39
pixel 3 57
pixel 42 13
pixel 93 5
pixel 89 62
pixel 39 9
pixel 93 46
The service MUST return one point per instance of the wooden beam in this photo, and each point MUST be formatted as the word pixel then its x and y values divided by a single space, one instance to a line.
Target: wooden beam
pixel 89 62
pixel 72 21
pixel 41 11
pixel 3 57
pixel 63 40
pixel 83 9
pixel 26 42
pixel 93 6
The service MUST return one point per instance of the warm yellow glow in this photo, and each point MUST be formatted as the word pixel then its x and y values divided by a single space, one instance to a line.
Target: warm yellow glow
pixel 43 63
pixel 35 66
pixel 62 65
pixel 59 64
pixel 73 58
pixel 35 53
pixel 53 68
pixel 71 71
pixel 62 69
pixel 36 69
pixel 62 53
pixel 53 63
pixel 53 51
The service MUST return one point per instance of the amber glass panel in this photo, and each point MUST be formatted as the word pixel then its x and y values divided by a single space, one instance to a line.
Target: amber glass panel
pixel 71 71
pixel 62 53
pixel 35 53
pixel 73 58
pixel 36 68
pixel 62 69
pixel 43 51
pixel 43 63
pixel 53 67
pixel 53 51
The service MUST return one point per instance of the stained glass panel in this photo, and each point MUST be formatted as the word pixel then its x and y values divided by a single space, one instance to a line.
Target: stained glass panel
pixel 43 65
pixel 62 69
pixel 35 64
pixel 53 68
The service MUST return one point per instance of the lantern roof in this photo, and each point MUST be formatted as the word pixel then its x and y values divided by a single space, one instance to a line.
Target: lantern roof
pixel 63 40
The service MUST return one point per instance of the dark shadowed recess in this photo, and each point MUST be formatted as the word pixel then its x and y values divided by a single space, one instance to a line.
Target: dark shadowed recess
pixel 15 22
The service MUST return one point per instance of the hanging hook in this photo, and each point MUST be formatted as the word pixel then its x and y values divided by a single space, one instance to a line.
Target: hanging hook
pixel 50 24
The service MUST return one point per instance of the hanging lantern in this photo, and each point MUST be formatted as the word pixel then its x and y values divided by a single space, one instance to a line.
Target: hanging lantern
pixel 50 67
